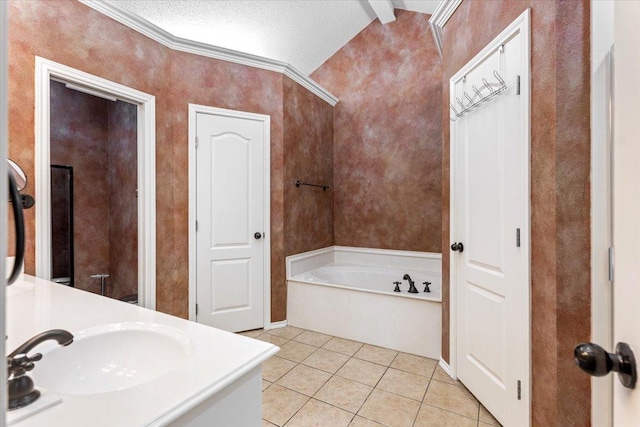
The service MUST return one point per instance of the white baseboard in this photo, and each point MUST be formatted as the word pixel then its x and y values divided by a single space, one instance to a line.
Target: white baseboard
pixel 445 367
pixel 276 325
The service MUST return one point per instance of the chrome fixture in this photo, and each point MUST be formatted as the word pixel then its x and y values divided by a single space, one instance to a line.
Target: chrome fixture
pixel 102 277
pixel 412 285
pixel 324 187
pixel 478 98
pixel 22 391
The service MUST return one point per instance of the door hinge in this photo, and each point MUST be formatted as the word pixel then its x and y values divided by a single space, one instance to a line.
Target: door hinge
pixel 611 262
pixel 519 390
pixel 517 237
pixel 196 142
pixel 196 309
pixel 196 225
pixel 518 86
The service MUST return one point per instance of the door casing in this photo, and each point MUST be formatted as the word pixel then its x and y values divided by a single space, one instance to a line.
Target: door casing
pixel 194 109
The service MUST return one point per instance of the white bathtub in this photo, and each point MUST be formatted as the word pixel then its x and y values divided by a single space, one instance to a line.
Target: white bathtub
pixel 348 292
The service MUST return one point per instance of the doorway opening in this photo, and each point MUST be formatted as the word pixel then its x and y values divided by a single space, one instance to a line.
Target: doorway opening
pixel 95 140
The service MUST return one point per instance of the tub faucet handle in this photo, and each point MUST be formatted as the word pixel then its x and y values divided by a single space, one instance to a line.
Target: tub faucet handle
pixel 426 286
pixel 397 288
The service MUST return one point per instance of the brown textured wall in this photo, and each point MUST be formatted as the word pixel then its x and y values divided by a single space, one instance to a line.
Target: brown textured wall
pixel 308 149
pixel 75 35
pixel 79 134
pixel 122 150
pixel 387 136
pixel 560 204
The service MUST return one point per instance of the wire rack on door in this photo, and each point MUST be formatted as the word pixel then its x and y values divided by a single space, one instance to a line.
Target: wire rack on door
pixel 475 101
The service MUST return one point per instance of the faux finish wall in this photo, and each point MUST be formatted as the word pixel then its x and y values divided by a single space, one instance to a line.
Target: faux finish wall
pixel 387 136
pixel 75 35
pixel 79 134
pixel 560 196
pixel 122 149
pixel 308 144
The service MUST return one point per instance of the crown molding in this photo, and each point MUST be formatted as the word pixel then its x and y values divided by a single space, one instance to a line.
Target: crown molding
pixel 123 16
pixel 439 18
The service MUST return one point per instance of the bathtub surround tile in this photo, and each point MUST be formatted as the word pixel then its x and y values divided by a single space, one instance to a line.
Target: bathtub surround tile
pixel 414 364
pixel 279 404
pixel 440 375
pixel 288 332
pixel 404 383
pixel 326 360
pixel 379 355
pixel 430 416
pixel 296 351
pixel 486 417
pixel 362 371
pixel 273 339
pixel 344 346
pixel 316 413
pixel 359 421
pixel 315 339
pixel 304 379
pixel 344 393
pixel 390 409
pixel 274 368
pixel 452 398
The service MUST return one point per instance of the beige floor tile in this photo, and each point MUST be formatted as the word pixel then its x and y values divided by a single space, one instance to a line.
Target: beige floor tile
pixel 318 414
pixel 252 334
pixel 326 360
pixel 344 393
pixel 295 351
pixel 430 416
pixel 404 383
pixel 358 421
pixel 288 332
pixel 273 339
pixel 265 384
pixel 440 375
pixel 483 424
pixel 390 409
pixel 275 367
pixel 452 398
pixel 414 364
pixel 304 379
pixel 362 371
pixel 279 404
pixel 486 417
pixel 315 339
pixel 341 345
pixel 266 423
pixel 379 355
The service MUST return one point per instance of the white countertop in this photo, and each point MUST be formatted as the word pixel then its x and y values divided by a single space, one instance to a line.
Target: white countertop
pixel 218 357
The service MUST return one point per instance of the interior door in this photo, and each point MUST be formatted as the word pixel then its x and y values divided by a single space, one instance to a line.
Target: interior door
pixel 490 233
pixel 626 235
pixel 230 219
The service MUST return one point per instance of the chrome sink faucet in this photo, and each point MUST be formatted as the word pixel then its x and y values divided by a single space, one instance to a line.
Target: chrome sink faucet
pixel 21 388
pixel 412 285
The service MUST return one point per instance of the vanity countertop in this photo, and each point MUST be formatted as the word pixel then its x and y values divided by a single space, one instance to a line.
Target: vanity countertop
pixel 217 359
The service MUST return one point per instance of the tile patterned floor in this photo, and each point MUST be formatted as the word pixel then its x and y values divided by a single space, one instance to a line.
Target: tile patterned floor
pixel 325 381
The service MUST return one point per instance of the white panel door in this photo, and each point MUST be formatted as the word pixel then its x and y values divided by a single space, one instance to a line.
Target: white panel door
pixel 626 237
pixel 490 220
pixel 230 205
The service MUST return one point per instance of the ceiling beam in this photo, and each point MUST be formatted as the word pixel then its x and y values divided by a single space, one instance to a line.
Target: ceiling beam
pixel 384 10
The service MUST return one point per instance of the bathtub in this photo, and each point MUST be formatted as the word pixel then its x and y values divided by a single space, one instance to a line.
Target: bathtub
pixel 348 292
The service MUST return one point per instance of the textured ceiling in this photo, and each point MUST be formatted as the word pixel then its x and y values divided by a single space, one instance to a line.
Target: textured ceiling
pixel 303 33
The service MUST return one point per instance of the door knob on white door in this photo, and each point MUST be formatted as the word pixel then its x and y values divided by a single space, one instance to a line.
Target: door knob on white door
pixel 257 235
pixel 596 361
pixel 457 247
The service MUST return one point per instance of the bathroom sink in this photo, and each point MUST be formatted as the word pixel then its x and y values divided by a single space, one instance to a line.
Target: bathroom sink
pixel 111 358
